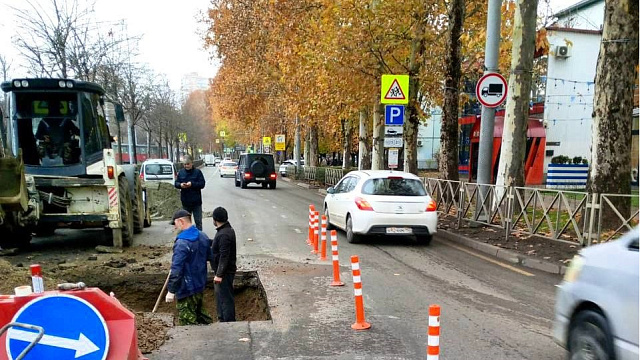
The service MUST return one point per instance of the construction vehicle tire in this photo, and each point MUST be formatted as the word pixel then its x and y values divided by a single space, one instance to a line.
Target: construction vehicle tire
pixel 137 207
pixel 126 211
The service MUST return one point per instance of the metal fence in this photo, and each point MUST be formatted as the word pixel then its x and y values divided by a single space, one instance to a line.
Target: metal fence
pixel 332 176
pixel 568 216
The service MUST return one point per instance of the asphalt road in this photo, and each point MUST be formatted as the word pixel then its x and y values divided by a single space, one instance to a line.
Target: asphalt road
pixel 490 309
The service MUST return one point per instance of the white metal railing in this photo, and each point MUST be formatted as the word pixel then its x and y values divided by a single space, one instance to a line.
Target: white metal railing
pixel 561 215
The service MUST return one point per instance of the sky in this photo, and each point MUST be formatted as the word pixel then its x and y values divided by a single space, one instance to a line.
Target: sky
pixel 170 43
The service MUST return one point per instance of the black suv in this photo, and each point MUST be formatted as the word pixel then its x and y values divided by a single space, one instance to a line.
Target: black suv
pixel 256 168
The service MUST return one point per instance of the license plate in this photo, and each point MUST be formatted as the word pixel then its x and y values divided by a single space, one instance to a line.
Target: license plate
pixel 260 178
pixel 399 230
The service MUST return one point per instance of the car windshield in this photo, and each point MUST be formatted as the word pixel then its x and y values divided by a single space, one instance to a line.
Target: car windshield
pixel 159 169
pixel 394 187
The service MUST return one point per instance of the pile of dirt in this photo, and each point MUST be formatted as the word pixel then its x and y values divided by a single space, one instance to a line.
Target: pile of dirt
pixel 164 200
pixel 152 333
pixel 18 275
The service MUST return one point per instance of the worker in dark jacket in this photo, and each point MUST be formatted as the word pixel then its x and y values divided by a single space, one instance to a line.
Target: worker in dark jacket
pixel 190 181
pixel 224 265
pixel 188 276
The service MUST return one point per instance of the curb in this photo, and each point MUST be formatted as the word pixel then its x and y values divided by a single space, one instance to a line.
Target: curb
pixel 303 185
pixel 503 254
pixel 285 179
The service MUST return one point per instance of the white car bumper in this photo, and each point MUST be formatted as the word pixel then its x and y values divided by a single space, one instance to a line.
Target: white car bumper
pixel 376 223
pixel 227 172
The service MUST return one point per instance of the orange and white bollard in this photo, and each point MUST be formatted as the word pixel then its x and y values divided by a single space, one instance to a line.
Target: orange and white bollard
pixel 316 230
pixel 336 264
pixel 312 213
pixel 433 336
pixel 360 324
pixel 323 239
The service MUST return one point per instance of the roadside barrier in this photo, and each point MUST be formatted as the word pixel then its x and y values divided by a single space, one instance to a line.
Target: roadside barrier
pixel 360 324
pixel 433 336
pixel 312 213
pixel 316 229
pixel 336 264
pixel 323 238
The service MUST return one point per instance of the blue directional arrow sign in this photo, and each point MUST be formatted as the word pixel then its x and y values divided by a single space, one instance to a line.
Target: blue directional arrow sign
pixel 394 115
pixel 73 329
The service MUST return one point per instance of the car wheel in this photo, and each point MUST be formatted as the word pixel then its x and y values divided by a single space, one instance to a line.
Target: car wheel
pixel 264 185
pixel 326 213
pixel 272 186
pixel 424 239
pixel 220 175
pixel 243 184
pixel 351 237
pixel 589 337
pixel 237 183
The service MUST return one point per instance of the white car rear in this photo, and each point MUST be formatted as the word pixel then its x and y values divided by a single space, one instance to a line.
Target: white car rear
pixel 228 168
pixel 158 170
pixel 209 160
pixel 386 203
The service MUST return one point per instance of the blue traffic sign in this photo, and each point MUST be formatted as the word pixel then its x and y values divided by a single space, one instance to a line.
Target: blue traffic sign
pixel 394 115
pixel 73 329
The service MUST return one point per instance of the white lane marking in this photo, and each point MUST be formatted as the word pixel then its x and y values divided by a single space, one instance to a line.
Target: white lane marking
pixel 297 231
pixel 273 206
pixel 283 216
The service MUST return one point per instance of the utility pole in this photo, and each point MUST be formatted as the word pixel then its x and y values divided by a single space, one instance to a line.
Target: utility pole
pixel 491 53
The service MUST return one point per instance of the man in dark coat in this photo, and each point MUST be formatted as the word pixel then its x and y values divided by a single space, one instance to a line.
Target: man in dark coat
pixel 188 276
pixel 224 265
pixel 190 181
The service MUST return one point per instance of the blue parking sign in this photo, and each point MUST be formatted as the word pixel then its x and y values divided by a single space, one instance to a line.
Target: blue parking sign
pixel 394 115
pixel 73 329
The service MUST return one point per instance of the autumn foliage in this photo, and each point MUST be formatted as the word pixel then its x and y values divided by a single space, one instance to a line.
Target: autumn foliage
pixel 321 60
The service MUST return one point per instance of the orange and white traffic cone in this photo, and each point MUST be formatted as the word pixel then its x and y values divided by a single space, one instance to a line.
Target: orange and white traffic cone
pixel 323 239
pixel 312 213
pixel 336 264
pixel 433 336
pixel 316 230
pixel 360 324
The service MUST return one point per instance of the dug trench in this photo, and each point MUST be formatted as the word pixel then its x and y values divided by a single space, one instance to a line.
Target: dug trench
pixel 139 292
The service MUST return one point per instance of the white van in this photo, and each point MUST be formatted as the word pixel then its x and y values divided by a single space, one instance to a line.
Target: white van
pixel 209 159
pixel 158 170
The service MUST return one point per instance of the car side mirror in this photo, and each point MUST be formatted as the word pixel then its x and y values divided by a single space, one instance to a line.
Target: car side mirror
pixel 331 190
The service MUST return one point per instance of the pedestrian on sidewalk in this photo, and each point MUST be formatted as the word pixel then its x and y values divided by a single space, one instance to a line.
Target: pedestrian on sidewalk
pixel 224 265
pixel 188 277
pixel 190 181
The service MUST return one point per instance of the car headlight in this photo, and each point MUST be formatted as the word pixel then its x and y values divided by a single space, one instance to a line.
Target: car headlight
pixel 574 269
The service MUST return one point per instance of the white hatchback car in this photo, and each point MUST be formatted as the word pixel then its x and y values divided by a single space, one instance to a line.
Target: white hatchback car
pixel 381 202
pixel 158 170
pixel 228 168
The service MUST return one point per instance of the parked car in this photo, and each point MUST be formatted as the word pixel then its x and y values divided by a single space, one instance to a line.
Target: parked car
pixel 596 312
pixel 209 159
pixel 283 167
pixel 217 161
pixel 158 170
pixel 381 202
pixel 256 168
pixel 228 168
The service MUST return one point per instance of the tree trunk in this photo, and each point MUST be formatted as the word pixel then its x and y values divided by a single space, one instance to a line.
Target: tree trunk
pixel 364 157
pixel 514 135
pixel 610 170
pixel 313 145
pixel 346 143
pixel 448 164
pixel 377 155
pixel 307 148
pixel 160 151
pixel 134 148
pixel 413 120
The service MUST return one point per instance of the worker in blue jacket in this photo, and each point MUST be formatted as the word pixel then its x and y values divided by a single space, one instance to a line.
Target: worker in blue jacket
pixel 188 277
pixel 190 181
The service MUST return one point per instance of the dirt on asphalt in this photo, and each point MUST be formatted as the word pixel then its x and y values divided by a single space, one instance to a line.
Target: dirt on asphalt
pixel 164 199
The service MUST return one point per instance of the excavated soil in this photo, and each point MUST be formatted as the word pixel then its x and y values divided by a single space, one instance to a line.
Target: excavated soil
pixel 163 199
pixel 136 277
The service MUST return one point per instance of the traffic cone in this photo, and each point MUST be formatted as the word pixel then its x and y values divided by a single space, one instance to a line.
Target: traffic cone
pixel 433 338
pixel 336 265
pixel 323 239
pixel 360 324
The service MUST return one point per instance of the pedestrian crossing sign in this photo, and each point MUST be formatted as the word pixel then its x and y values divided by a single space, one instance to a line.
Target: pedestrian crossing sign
pixel 394 89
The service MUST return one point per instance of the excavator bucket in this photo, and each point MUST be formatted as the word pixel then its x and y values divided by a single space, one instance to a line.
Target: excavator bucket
pixel 13 192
